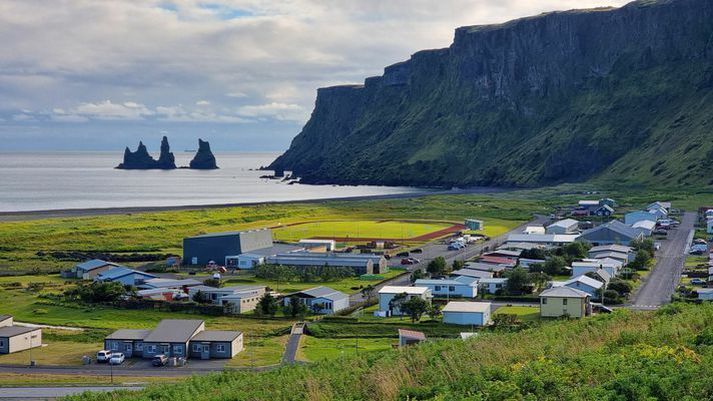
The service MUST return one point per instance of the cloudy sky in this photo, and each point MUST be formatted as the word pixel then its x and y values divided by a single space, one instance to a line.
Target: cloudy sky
pixel 98 75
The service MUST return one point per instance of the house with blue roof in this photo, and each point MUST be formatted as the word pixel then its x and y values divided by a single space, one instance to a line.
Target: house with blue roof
pixel 91 268
pixel 124 275
pixel 585 283
pixel 449 287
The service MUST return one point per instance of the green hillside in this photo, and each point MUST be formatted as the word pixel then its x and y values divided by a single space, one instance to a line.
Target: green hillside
pixel 623 95
pixel 666 355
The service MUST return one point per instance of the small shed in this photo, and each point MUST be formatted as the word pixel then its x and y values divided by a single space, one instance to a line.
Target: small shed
pixel 473 224
pixel 17 338
pixel 467 313
pixel 410 337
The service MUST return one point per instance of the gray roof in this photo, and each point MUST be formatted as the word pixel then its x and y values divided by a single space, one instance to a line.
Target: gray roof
pixel 612 230
pixel 5 317
pixel 234 289
pixel 118 272
pixel 472 273
pixel 128 334
pixel 173 331
pixel 12 331
pixel 485 267
pixel 564 292
pixel 322 292
pixel 168 283
pixel 216 335
pixel 94 264
pixel 596 284
pixel 274 250
pixel 611 247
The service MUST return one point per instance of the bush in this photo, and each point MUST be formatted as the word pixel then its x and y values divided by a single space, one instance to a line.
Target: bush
pixel 623 288
pixel 304 274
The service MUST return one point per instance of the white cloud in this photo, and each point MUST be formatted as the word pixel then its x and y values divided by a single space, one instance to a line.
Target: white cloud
pixel 202 103
pixel 279 111
pixel 23 117
pixel 106 110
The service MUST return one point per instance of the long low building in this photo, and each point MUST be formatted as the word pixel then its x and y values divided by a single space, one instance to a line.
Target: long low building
pixel 543 239
pixel 240 298
pixel 176 338
pixel 360 263
pixel 450 288
pixel 17 338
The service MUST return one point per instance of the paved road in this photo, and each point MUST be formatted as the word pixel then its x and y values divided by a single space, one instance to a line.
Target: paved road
pixel 50 393
pixel 439 248
pixel 293 343
pixel 661 283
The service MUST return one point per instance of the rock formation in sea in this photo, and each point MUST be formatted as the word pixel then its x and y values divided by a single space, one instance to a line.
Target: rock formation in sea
pixel 204 159
pixel 142 160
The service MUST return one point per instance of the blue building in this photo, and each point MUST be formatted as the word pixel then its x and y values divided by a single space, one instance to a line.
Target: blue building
pixel 467 313
pixel 449 288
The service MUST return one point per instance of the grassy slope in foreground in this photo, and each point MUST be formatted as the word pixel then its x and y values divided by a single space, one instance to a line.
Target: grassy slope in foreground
pixel 624 356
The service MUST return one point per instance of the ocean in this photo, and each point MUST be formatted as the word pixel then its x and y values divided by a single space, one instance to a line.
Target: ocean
pixel 80 180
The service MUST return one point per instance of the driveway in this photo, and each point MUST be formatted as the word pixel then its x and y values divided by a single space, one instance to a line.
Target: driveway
pixel 661 282
pixel 293 343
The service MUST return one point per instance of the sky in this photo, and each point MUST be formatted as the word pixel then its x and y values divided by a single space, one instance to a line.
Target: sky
pixel 243 74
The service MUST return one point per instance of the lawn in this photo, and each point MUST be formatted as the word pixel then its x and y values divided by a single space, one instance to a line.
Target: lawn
pixel 348 285
pixel 34 379
pixel 524 313
pixel 315 349
pixel 388 229
pixel 260 351
pixel 53 353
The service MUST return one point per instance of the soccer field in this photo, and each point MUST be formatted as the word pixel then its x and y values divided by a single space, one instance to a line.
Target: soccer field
pixel 359 229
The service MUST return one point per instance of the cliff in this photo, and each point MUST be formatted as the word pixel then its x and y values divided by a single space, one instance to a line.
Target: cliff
pixel 620 94
pixel 142 160
pixel 204 159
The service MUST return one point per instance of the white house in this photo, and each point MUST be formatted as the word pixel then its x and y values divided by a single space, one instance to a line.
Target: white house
pixel 645 227
pixel 591 265
pixel 467 313
pixel 586 284
pixel 639 215
pixel 387 293
pixel 492 285
pixel 659 212
pixel 241 298
pixel 321 299
pixel 614 251
pixel 566 226
pixel 449 288
pixel 527 263
pixel 542 239
pixel 534 230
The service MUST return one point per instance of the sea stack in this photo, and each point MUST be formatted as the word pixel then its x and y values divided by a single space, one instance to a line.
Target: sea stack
pixel 166 161
pixel 142 160
pixel 204 159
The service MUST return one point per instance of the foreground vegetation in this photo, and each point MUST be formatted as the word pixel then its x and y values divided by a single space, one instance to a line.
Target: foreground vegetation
pixel 664 355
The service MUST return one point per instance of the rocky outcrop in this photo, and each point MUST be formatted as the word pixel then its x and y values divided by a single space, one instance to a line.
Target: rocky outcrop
pixel 621 94
pixel 142 160
pixel 204 159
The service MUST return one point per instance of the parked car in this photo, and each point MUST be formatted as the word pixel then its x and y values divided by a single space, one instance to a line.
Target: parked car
pixel 657 246
pixel 698 281
pixel 103 356
pixel 159 360
pixel 117 358
pixel 661 232
pixel 700 241
pixel 454 247
pixel 417 250
pixel 403 254
pixel 409 261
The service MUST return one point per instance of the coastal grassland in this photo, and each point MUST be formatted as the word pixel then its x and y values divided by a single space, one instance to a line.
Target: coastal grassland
pixel 316 349
pixel 347 285
pixel 40 380
pixel 27 245
pixel 524 313
pixel 259 351
pixel 663 355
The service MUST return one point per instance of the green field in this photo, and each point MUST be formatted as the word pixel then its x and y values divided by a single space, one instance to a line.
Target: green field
pixel 28 245
pixel 315 349
pixel 524 313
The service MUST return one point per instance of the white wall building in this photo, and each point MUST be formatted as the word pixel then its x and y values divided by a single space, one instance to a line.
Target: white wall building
pixel 387 293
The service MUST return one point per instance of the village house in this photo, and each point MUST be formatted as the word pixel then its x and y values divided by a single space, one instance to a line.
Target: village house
pixel 124 275
pixel 90 269
pixel 323 300
pixel 586 284
pixel 492 285
pixel 566 226
pixel 645 227
pixel 470 273
pixel 613 232
pixel 564 301
pixel 239 298
pixel 449 288
pixel 467 313
pixel 639 215
pixel 542 239
pixel 387 293
pixel 17 338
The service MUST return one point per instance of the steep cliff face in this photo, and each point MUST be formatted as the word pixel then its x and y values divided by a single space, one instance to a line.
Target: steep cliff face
pixel 623 94
pixel 204 159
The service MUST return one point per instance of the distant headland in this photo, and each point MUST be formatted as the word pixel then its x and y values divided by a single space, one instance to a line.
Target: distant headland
pixel 142 160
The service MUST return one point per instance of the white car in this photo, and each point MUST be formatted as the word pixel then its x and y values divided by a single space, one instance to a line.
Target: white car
pixel 117 358
pixel 103 356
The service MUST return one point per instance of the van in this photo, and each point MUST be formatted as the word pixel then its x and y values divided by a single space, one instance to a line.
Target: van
pixel 103 356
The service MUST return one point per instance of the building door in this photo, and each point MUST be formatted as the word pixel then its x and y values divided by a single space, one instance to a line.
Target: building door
pixel 128 349
pixel 205 351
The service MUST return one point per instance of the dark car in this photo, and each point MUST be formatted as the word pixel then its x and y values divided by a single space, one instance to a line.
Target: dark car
pixel 402 254
pixel 409 261
pixel 159 360
pixel 661 232
pixel 417 250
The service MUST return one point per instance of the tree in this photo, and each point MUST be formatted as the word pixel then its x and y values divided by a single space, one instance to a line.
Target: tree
pixel 518 281
pixel 642 260
pixel 397 302
pixel 534 253
pixel 415 307
pixel 368 292
pixel 198 297
pixel 612 297
pixel 434 311
pixel 575 250
pixel 98 292
pixel 214 282
pixel 458 264
pixel 416 275
pixel 295 307
pixel 267 305
pixel 538 279
pixel 437 266
pixel 622 287
pixel 646 244
pixel 555 265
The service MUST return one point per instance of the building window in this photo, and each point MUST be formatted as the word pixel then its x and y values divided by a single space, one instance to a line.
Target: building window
pixel 564 301
pixel 151 349
pixel 166 348
pixel 544 301
pixel 2 343
pixel 196 348
pixel 438 288
pixel 177 350
pixel 139 346
pixel 220 348
pixel 451 288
